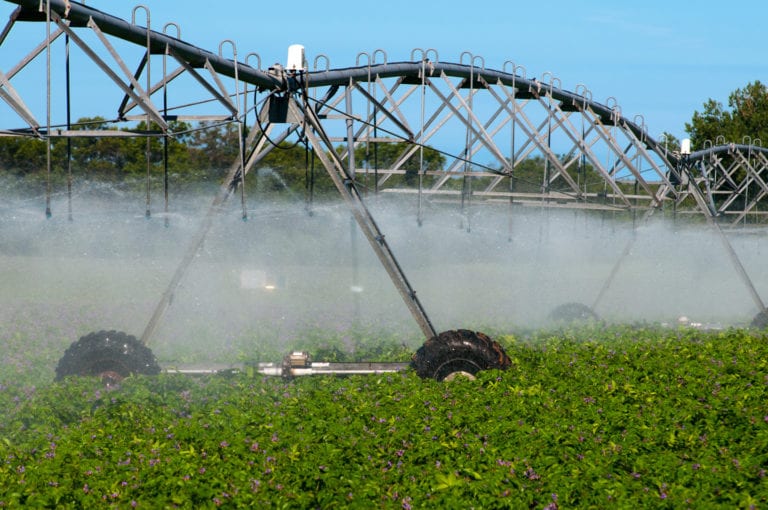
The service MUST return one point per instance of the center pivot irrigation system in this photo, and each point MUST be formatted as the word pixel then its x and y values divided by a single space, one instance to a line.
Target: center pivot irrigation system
pixel 112 355
pixel 635 173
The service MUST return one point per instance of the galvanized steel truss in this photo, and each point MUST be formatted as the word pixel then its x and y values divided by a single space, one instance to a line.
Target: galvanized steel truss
pixel 491 121
pixel 733 178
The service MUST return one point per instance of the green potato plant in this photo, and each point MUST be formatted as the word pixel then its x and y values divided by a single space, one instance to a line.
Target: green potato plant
pixel 590 418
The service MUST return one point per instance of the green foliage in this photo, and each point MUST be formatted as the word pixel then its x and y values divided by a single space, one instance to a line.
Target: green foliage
pixel 403 155
pixel 213 146
pixel 200 153
pixel 532 173
pixel 594 418
pixel 670 142
pixel 290 166
pixel 21 156
pixel 745 119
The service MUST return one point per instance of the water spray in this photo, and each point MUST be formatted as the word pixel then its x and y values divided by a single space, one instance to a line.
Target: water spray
pixel 684 169
pixel 443 356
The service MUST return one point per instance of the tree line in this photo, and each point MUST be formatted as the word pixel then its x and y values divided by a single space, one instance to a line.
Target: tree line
pixel 199 152
pixel 205 151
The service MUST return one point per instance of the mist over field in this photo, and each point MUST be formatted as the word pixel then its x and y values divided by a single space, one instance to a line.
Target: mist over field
pixel 284 274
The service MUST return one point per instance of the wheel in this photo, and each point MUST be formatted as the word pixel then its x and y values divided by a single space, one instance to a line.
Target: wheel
pixel 111 355
pixel 458 353
pixel 573 312
pixel 761 320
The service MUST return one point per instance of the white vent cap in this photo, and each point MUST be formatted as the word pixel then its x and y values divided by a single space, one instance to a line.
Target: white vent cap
pixel 295 58
pixel 685 147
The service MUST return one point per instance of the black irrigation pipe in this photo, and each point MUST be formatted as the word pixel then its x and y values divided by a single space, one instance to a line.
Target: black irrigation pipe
pixel 79 15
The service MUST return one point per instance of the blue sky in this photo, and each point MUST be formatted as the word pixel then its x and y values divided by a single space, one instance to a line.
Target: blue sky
pixel 661 60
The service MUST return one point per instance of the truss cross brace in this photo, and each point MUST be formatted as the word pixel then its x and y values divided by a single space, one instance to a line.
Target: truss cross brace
pixel 346 186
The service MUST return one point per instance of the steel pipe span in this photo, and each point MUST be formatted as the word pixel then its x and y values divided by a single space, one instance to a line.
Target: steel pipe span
pixel 80 15
pixel 728 148
pixel 731 174
pixel 531 85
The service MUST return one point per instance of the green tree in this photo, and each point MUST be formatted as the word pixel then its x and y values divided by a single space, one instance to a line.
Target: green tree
pixel 529 176
pixel 745 119
pixel 119 157
pixel 22 156
pixel 99 157
pixel 213 147
pixel 289 166
pixel 669 141
pixel 386 155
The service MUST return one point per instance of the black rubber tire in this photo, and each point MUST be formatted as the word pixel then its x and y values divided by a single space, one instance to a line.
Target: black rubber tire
pixel 573 313
pixel 458 352
pixel 111 355
pixel 761 320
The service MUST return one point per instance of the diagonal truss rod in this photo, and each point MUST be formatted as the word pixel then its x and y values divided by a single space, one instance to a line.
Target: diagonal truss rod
pixel 471 120
pixel 727 174
pixel 346 186
pixel 225 191
pixel 473 147
pixel 752 176
pixel 221 98
pixel 529 129
pixel 135 91
pixel 666 186
pixel 10 96
pixel 380 107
